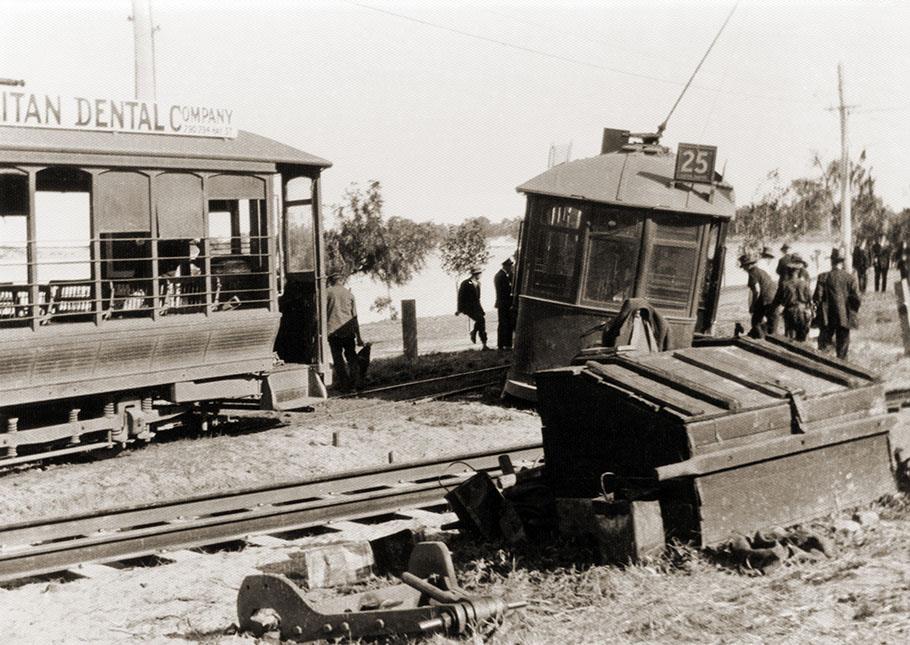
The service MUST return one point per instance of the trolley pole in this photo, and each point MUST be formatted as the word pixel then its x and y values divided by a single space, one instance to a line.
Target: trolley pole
pixel 846 194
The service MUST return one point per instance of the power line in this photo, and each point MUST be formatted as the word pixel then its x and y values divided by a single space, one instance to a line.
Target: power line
pixel 570 59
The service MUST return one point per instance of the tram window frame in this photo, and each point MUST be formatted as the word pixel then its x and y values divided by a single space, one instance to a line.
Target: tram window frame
pixel 663 237
pixel 598 231
pixel 15 290
pixel 239 263
pixel 545 230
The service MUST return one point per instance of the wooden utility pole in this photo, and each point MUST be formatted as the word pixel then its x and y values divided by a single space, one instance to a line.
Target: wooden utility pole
pixel 846 194
pixel 144 46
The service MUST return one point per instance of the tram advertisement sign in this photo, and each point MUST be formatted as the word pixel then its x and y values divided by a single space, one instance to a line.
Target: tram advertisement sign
pixel 32 110
pixel 695 162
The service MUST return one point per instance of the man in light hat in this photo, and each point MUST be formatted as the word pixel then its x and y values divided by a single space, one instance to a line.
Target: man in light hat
pixel 469 305
pixel 502 282
pixel 761 297
pixel 838 294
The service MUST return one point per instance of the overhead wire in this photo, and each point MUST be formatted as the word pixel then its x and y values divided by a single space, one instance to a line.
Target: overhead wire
pixel 570 59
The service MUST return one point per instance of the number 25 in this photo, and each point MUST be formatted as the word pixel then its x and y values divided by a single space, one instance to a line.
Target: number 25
pixel 695 161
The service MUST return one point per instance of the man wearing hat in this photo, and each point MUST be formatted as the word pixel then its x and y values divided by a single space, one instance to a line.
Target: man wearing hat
pixel 762 290
pixel 502 282
pixel 469 305
pixel 793 295
pixel 837 293
pixel 343 332
pixel 784 261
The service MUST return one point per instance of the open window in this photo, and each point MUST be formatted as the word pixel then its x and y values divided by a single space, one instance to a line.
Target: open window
pixel 553 261
pixel 184 285
pixel 238 241
pixel 123 223
pixel 15 292
pixel 63 200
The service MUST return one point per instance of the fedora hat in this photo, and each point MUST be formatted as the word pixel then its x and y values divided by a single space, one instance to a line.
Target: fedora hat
pixel 766 252
pixel 836 255
pixel 784 247
pixel 796 261
pixel 746 259
pixel 476 269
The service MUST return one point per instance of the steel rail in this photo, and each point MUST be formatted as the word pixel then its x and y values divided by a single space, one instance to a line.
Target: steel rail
pixel 47 546
pixel 387 389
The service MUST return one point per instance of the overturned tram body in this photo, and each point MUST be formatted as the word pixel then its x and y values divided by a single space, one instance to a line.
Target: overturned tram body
pixel 601 230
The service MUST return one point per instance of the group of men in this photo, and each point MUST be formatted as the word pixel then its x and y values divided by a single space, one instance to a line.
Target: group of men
pixel 879 256
pixel 469 305
pixel 832 307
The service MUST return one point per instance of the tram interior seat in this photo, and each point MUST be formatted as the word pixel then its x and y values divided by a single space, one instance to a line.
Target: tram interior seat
pixel 72 300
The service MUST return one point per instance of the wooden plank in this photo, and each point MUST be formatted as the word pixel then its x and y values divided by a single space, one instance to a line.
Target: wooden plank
pixel 180 555
pixel 716 364
pixel 679 382
pixel 793 489
pixel 717 431
pixel 93 571
pixel 798 361
pixel 266 541
pixel 827 359
pixel 773 448
pixel 653 392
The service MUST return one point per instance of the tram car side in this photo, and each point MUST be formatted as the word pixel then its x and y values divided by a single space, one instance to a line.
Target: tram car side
pixel 602 230
pixel 146 277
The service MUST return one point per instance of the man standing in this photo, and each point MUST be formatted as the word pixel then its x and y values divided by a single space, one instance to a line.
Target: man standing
pixel 502 281
pixel 881 260
pixel 783 262
pixel 469 305
pixel 841 301
pixel 762 290
pixel 861 263
pixel 793 295
pixel 343 332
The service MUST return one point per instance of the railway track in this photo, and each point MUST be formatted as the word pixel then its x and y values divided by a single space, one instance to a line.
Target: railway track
pixel 48 546
pixel 437 386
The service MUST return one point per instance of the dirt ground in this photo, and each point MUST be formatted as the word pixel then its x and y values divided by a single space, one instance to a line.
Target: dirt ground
pixel 861 595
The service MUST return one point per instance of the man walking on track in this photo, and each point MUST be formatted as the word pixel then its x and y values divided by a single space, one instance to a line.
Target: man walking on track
pixel 762 290
pixel 502 281
pixel 343 332
pixel 840 301
pixel 469 305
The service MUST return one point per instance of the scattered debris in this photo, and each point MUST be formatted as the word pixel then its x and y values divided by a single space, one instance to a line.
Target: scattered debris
pixel 427 601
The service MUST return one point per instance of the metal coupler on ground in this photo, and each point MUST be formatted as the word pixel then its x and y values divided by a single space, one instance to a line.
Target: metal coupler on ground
pixel 427 601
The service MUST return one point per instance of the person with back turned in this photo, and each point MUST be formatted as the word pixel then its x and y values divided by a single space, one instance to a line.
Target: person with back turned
pixel 762 290
pixel 469 305
pixel 502 282
pixel 881 261
pixel 343 332
pixel 861 263
pixel 838 295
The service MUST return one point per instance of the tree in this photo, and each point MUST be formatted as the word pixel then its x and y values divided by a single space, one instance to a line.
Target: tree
pixel 464 246
pixel 390 251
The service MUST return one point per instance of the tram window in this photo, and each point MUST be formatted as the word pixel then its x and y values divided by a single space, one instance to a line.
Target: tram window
pixel 238 242
pixel 552 273
pixel 63 243
pixel 672 268
pixel 13 230
pixel 612 257
pixel 301 242
pixel 126 268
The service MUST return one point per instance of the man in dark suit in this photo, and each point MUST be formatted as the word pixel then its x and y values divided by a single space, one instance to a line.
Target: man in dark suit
pixel 469 305
pixel 881 261
pixel 502 282
pixel 861 263
pixel 762 289
pixel 840 303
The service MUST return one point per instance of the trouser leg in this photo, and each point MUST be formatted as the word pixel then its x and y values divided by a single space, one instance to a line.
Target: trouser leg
pixel 350 356
pixel 336 345
pixel 884 279
pixel 504 328
pixel 480 326
pixel 824 338
pixel 757 330
pixel 770 319
pixel 842 340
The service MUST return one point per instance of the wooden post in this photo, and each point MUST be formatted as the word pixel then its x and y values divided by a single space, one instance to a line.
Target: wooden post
pixel 409 329
pixel 902 291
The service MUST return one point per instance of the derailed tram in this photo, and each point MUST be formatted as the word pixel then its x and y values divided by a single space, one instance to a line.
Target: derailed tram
pixel 144 278
pixel 620 225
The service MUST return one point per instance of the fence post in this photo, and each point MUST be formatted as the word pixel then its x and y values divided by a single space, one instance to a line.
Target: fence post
pixel 409 329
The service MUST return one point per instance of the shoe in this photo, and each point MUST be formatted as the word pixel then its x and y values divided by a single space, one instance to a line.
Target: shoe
pixel 485 348
pixel 474 336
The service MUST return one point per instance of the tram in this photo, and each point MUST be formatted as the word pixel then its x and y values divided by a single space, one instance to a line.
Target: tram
pixel 623 224
pixel 146 277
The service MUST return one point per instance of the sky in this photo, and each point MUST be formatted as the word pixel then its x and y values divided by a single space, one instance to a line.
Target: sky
pixel 451 105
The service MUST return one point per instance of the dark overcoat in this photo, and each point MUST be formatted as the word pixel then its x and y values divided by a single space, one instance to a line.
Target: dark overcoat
pixel 841 299
pixel 469 300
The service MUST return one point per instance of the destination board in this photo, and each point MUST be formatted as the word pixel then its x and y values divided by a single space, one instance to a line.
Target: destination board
pixel 695 162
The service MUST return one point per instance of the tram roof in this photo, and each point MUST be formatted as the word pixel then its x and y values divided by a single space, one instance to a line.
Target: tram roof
pixel 633 178
pixel 246 152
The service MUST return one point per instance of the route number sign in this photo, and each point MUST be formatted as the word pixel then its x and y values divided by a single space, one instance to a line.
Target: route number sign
pixel 695 162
